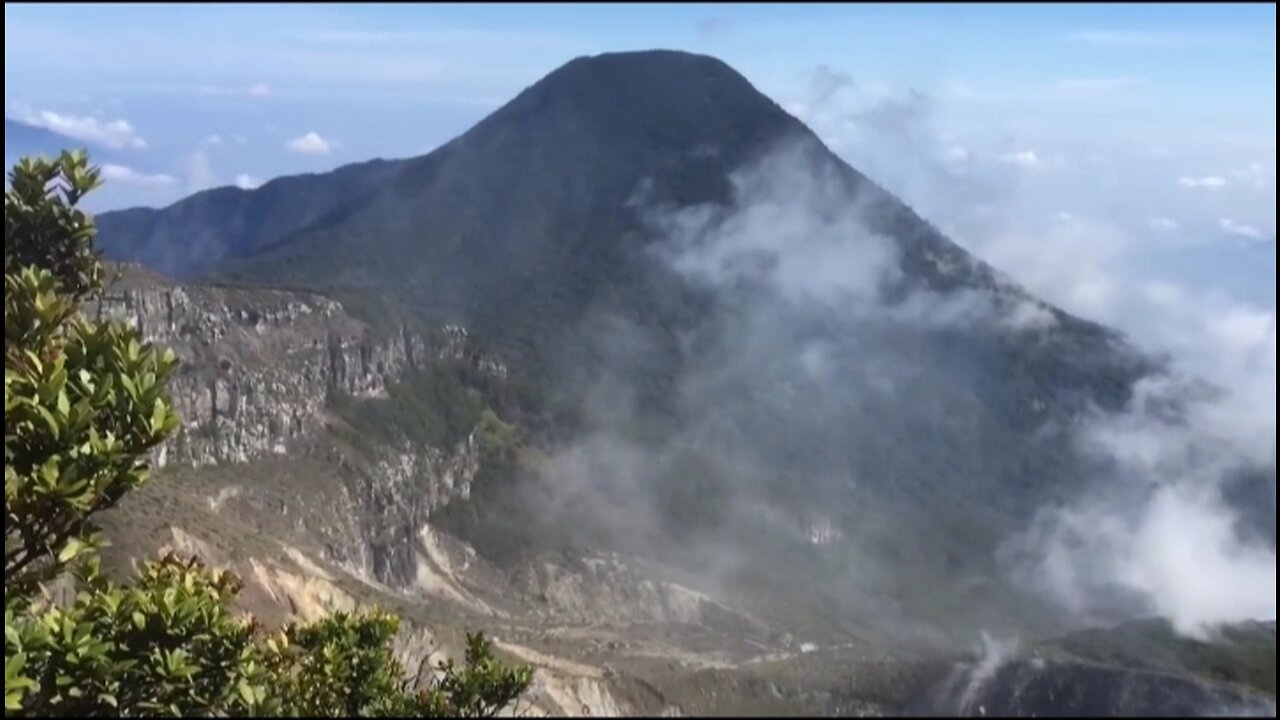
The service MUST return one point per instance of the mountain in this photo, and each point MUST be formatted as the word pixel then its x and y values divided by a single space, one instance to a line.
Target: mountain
pixel 538 190
pixel 522 223
pixel 723 407
pixel 534 230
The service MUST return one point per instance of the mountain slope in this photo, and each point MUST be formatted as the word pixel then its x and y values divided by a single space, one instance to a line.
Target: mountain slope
pixel 866 442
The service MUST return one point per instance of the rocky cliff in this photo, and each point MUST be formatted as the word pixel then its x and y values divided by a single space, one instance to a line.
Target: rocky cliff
pixel 258 365
pixel 258 371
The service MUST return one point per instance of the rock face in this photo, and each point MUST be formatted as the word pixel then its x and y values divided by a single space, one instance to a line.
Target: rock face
pixel 256 369
pixel 257 365
pixel 605 589
pixel 392 500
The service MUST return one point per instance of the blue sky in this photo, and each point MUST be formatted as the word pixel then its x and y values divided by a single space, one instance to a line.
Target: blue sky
pixel 396 80
pixel 1100 154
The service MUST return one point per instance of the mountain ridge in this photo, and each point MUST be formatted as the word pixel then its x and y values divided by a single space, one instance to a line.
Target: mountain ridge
pixel 534 229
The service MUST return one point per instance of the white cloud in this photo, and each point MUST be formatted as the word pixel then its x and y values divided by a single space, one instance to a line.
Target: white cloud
pixel 128 176
pixel 214 139
pixel 247 182
pixel 825 83
pixel 877 90
pixel 1179 550
pixel 1135 40
pixel 1067 263
pixel 1257 174
pixel 1094 265
pixel 115 134
pixel 1168 535
pixel 1097 86
pixel 798 109
pixel 310 144
pixel 256 90
pixel 815 257
pixel 960 90
pixel 1026 159
pixel 200 174
pixel 1208 182
pixel 1232 227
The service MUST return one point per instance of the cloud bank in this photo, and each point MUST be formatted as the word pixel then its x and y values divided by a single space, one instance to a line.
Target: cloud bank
pixel 1208 182
pixel 128 176
pixel 310 144
pixel 1162 529
pixel 244 181
pixel 256 90
pixel 113 134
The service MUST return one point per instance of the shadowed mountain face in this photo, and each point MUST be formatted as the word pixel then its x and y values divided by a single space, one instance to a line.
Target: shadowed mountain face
pixel 780 376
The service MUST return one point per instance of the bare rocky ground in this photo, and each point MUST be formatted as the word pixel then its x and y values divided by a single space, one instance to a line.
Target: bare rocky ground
pixel 606 639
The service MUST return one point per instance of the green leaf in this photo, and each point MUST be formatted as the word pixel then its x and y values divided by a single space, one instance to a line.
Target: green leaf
pixel 55 428
pixel 13 667
pixel 159 414
pixel 72 549
pixel 12 701
pixel 247 693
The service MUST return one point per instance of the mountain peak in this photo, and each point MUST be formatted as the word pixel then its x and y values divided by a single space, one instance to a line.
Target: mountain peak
pixel 656 98
pixel 667 64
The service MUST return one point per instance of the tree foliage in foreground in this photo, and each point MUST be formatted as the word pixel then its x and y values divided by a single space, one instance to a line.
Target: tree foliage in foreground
pixel 85 403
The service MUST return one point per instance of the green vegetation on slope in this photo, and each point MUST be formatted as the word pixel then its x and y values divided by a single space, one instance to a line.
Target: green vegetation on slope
pixel 1241 654
pixel 429 406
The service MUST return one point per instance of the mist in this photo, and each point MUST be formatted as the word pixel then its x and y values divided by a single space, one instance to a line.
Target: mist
pixel 1170 526
pixel 830 406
